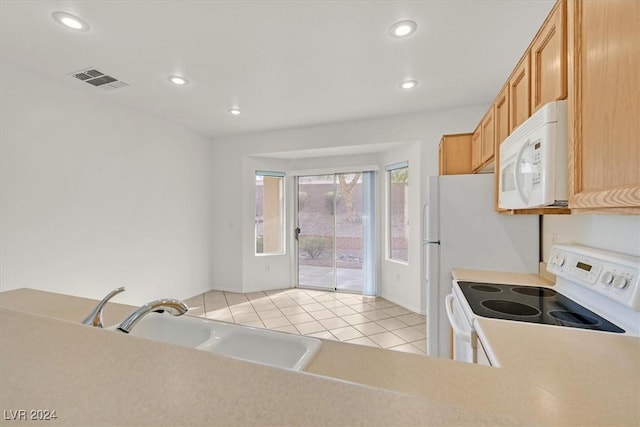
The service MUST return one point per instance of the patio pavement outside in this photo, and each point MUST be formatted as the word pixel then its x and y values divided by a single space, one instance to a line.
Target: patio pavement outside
pixel 348 279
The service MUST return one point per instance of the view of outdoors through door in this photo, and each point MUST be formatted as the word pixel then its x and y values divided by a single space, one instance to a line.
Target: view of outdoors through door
pixel 330 240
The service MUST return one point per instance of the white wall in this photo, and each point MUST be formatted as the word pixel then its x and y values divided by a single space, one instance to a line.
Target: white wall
pixel 237 157
pixel 401 282
pixel 617 233
pixel 265 271
pixel 95 196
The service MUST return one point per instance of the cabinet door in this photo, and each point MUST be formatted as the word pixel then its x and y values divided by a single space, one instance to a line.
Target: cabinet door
pixel 476 149
pixel 455 154
pixel 549 59
pixel 486 136
pixel 604 107
pixel 519 94
pixel 501 117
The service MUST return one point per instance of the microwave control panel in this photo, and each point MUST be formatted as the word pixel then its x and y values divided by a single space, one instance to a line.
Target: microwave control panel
pixel 537 163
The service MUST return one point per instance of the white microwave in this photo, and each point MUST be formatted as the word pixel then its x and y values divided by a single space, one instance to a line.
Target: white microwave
pixel 533 161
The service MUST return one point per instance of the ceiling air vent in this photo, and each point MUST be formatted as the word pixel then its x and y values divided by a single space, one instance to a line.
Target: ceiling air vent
pixel 98 79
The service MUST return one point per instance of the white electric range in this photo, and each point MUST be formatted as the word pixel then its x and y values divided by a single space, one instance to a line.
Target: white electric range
pixel 595 290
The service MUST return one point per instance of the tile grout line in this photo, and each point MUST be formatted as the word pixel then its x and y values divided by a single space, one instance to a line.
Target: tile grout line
pixel 204 305
pixel 285 295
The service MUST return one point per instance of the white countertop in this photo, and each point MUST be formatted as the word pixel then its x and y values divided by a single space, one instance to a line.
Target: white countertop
pixel 95 377
pixel 601 370
pixel 92 377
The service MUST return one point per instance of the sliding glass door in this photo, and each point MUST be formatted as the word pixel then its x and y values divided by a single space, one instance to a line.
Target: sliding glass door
pixel 336 232
pixel 316 231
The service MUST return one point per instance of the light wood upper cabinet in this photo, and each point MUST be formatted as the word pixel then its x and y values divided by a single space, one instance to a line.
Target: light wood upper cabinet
pixel 549 59
pixel 482 144
pixel 476 149
pixel 519 94
pixel 502 130
pixel 487 137
pixel 604 106
pixel 455 154
pixel 501 117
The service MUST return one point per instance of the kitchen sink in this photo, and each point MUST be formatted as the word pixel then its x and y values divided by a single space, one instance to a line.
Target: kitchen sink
pixel 184 331
pixel 263 346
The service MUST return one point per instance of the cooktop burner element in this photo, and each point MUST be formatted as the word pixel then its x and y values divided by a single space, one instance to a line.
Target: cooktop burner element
pixel 531 304
pixel 510 307
pixel 535 291
pixel 485 288
pixel 574 318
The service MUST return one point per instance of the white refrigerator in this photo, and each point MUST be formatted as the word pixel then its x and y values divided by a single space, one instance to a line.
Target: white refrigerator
pixel 461 229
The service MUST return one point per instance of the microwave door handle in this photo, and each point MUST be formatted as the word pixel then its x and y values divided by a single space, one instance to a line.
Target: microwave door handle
pixel 516 175
pixel 457 329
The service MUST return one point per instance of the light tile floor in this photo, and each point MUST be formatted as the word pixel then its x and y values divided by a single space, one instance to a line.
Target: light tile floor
pixel 344 317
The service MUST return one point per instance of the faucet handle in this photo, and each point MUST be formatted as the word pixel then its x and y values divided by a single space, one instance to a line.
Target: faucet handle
pixel 95 317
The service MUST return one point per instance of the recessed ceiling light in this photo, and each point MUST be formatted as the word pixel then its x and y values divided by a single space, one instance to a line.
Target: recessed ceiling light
pixel 408 84
pixel 403 28
pixel 235 111
pixel 70 21
pixel 178 80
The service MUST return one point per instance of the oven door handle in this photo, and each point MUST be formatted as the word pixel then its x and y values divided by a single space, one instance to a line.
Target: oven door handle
pixel 457 329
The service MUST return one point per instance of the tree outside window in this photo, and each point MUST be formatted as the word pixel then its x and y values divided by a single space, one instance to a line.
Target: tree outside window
pixel 398 209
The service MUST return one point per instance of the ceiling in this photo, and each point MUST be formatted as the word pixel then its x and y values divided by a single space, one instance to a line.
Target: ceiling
pixel 284 63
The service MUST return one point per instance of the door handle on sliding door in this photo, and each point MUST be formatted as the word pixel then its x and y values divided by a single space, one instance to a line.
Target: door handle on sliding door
pixel 296 232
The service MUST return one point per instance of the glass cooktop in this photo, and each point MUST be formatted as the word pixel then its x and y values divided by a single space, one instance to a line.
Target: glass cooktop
pixel 531 304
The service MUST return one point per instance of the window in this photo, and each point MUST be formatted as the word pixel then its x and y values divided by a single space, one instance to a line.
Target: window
pixel 269 212
pixel 398 211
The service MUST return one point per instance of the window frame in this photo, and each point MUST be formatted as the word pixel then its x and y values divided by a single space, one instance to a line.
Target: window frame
pixel 388 223
pixel 281 217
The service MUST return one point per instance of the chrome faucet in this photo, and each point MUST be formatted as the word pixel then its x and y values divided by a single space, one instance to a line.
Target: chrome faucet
pixel 95 317
pixel 174 307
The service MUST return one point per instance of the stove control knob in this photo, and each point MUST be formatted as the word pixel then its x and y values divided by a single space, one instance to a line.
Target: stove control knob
pixel 559 260
pixel 620 282
pixel 607 278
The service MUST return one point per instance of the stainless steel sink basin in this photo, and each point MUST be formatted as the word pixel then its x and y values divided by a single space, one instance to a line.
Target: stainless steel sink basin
pixel 253 344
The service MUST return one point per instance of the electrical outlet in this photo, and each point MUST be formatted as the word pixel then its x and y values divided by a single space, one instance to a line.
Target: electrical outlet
pixel 267 267
pixel 397 277
pixel 554 238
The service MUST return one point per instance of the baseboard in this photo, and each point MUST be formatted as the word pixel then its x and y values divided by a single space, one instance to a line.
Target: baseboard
pixel 249 289
pixel 226 289
pixel 403 304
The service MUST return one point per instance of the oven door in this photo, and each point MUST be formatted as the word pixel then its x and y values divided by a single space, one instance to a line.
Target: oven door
pixel 464 344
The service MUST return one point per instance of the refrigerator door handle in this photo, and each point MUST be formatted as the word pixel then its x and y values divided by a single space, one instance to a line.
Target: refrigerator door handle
pixel 431 262
pixel 425 262
pixel 424 222
pixel 430 212
pixel 427 232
